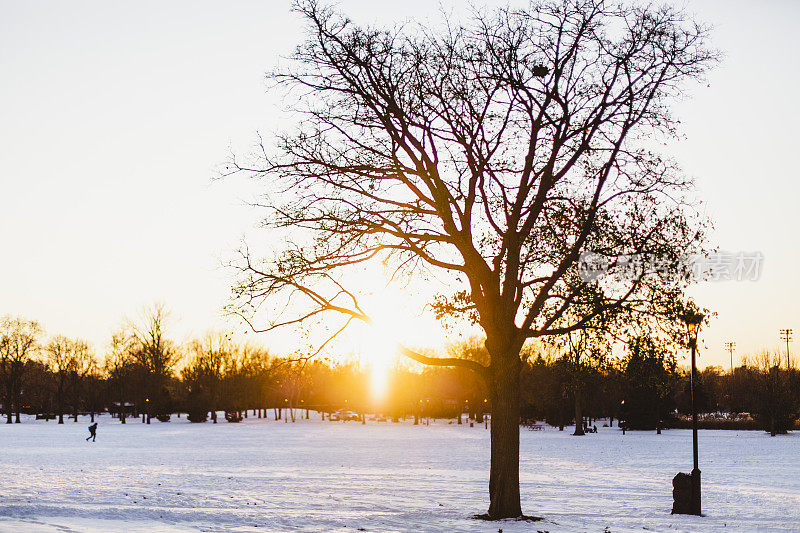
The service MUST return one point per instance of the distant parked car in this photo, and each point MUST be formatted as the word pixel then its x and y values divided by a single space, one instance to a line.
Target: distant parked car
pixel 347 415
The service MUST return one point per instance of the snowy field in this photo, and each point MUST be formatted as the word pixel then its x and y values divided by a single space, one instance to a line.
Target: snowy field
pixel 336 476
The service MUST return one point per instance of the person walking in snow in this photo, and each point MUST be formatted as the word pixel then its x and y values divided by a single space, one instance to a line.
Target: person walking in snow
pixel 92 432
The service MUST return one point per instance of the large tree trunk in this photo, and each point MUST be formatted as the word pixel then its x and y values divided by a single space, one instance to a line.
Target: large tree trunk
pixel 504 501
pixel 578 413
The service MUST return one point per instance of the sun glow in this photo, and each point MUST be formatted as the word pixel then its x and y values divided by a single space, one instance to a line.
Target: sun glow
pixel 394 320
pixel 379 343
pixel 398 316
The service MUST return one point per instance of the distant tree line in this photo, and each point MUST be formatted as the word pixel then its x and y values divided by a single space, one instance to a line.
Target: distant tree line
pixel 146 375
pixel 645 389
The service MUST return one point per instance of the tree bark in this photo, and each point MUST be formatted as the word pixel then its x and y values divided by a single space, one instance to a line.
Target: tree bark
pixel 504 500
pixel 60 402
pixel 8 405
pixel 578 413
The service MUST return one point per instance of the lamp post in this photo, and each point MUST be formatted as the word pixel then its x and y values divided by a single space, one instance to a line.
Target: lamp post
pixel 693 321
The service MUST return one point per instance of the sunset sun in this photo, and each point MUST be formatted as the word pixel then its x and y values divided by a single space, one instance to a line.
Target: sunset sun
pixel 378 343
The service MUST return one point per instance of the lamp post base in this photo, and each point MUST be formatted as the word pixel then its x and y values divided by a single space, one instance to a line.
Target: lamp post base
pixel 686 493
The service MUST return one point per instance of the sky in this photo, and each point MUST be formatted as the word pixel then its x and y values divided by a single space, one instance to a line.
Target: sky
pixel 115 118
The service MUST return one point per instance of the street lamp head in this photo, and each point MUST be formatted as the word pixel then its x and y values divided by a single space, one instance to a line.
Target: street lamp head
pixel 693 320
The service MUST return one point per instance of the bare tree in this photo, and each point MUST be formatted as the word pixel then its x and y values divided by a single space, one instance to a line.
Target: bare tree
pixel 119 369
pixel 776 401
pixel 585 351
pixel 205 370
pixel 293 382
pixel 18 342
pixel 82 365
pixel 155 354
pixel 58 353
pixel 259 366
pixel 72 362
pixel 493 153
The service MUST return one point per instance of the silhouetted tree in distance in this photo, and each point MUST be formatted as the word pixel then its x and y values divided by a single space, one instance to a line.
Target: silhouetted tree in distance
pixel 18 343
pixel 82 365
pixel 584 353
pixel 207 360
pixel 60 355
pixel 649 374
pixel 154 354
pixel 120 371
pixel 775 393
pixel 40 387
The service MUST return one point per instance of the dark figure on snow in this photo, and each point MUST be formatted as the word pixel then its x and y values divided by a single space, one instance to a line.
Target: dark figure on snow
pixel 92 432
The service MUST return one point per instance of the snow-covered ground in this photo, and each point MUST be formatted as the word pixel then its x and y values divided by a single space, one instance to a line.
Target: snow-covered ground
pixel 341 476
